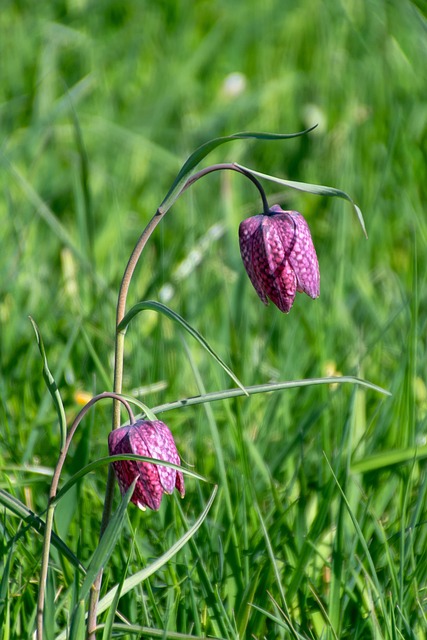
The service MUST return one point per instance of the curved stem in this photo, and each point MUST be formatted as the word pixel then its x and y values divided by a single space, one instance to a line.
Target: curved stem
pixel 136 254
pixel 120 338
pixel 230 166
pixel 52 495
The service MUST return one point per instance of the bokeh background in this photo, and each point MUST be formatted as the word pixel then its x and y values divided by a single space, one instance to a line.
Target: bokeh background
pixel 100 105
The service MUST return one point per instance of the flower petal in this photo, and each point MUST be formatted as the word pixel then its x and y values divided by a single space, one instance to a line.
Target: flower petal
pixel 284 228
pixel 283 288
pixel 303 258
pixel 279 279
pixel 149 488
pixel 179 483
pixel 127 470
pixel 161 445
pixel 114 439
pixel 253 252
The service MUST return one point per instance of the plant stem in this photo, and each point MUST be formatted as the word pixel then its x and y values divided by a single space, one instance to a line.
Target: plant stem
pixel 120 339
pixel 52 495
pixel 44 568
pixel 230 166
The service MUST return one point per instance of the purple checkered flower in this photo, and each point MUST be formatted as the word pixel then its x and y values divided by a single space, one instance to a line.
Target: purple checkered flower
pixel 279 256
pixel 152 439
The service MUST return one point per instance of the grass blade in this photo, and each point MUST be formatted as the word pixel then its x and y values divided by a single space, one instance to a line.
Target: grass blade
pixel 142 632
pixel 267 388
pixel 51 385
pixel 78 627
pixel 108 629
pixel 4 593
pixel 107 543
pixel 201 152
pixel 389 459
pixel 158 306
pixel 373 577
pixel 131 582
pixel 21 510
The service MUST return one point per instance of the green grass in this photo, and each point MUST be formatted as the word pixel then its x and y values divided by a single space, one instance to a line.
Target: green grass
pixel 319 526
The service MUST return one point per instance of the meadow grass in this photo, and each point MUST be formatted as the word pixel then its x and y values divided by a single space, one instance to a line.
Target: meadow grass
pixel 318 528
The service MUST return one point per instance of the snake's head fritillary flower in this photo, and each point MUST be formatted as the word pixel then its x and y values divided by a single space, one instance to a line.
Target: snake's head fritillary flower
pixel 153 439
pixel 279 256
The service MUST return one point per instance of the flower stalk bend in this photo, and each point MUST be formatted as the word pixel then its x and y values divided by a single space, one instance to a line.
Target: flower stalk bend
pixel 136 254
pixel 52 495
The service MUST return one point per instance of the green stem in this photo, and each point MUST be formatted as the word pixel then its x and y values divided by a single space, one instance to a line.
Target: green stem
pixel 230 166
pixel 52 495
pixel 43 569
pixel 119 345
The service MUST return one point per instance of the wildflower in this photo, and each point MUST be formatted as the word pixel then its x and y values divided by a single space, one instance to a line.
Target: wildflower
pixel 152 439
pixel 279 256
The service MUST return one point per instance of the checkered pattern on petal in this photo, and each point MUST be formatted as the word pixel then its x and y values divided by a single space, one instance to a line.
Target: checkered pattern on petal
pixel 279 256
pixel 149 486
pixel 126 470
pixel 121 441
pixel 284 227
pixel 161 445
pixel 283 288
pixel 277 276
pixel 152 439
pixel 253 252
pixel 303 258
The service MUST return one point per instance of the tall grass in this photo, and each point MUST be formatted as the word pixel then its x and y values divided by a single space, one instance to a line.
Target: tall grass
pixel 318 529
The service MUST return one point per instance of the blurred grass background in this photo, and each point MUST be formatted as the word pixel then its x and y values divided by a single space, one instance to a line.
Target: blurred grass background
pixel 100 104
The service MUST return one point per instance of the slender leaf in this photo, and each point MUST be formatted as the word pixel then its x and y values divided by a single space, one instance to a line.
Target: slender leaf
pixel 87 213
pixel 4 588
pixel 34 521
pixel 78 627
pixel 131 582
pixel 278 621
pixel 389 458
pixel 158 306
pixel 107 543
pixel 107 633
pixel 266 388
pixel 316 189
pixel 373 575
pixel 125 456
pixel 219 618
pixel 150 632
pixel 243 615
pixel 49 607
pixel 274 564
pixel 149 414
pixel 51 385
pixel 201 152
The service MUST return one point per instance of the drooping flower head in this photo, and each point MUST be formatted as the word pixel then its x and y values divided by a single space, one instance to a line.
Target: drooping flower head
pixel 153 439
pixel 279 256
